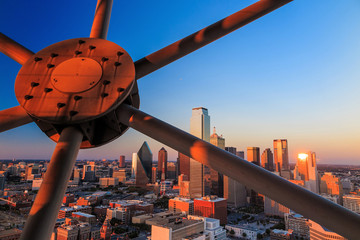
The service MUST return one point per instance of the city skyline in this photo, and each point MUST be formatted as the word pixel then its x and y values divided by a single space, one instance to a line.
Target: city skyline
pixel 295 78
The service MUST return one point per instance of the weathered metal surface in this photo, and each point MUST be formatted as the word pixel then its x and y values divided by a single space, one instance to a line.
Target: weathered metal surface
pixel 41 220
pixel 13 117
pixel 205 36
pixel 101 19
pixel 14 50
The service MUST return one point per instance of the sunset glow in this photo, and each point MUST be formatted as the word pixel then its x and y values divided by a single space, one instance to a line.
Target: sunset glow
pixel 302 156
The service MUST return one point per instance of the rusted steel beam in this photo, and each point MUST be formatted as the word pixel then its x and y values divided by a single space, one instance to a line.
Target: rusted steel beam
pixel 101 19
pixel 41 220
pixel 311 205
pixel 14 50
pixel 205 36
pixel 13 117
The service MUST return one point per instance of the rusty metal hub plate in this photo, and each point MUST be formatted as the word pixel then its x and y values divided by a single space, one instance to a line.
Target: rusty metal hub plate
pixel 75 81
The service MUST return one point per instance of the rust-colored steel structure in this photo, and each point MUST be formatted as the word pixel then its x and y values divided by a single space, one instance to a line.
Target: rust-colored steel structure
pixel 83 93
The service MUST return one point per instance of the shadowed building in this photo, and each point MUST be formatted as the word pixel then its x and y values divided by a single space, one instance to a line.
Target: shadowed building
pixel 122 161
pixel 184 164
pixel 162 164
pixel 281 155
pixel 142 165
pixel 216 178
pixel 267 160
pixel 199 127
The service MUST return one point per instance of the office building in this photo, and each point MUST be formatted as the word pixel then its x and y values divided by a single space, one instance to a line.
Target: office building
pixel 184 164
pixel 184 186
pixel 162 164
pixel 212 207
pixel 120 174
pixel 178 204
pixel 253 155
pixel 106 230
pixel 281 155
pixel 306 170
pixel 273 208
pixel 121 161
pixel 142 166
pixel 199 127
pixel 212 228
pixel 298 224
pixel 240 154
pixel 153 175
pixel 216 178
pixel 106 182
pixel 171 170
pixel 267 160
pixel 330 184
pixel 352 202
pixel 234 192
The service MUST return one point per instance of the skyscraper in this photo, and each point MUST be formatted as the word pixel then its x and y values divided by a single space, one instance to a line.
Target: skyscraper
pixel 142 165
pixel 281 155
pixel 199 127
pixel 306 170
pixel 184 164
pixel 253 155
pixel 234 192
pixel 162 164
pixel 216 178
pixel 122 161
pixel 267 161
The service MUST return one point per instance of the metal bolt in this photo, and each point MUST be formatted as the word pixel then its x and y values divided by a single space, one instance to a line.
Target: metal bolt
pixel 120 89
pixel 104 59
pixel 77 97
pixel 73 113
pixel 34 84
pixel 117 64
pixel 36 59
pixel 106 82
pixel 119 53
pixel 50 65
pixel 104 95
pixel 60 105
pixel 54 55
pixel 47 90
pixel 81 41
pixel 28 97
pixel 91 47
pixel 78 52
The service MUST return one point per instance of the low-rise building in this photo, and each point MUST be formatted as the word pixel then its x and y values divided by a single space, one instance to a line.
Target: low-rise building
pixel 278 234
pixel 242 231
pixel 298 224
pixel 212 207
pixel 321 233
pixel 181 205
pixel 352 202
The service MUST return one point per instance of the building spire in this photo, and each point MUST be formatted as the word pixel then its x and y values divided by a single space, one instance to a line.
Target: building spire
pixel 214 131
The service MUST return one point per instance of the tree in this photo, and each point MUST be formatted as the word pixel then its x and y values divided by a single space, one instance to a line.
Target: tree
pixel 232 232
pixel 267 231
pixel 244 234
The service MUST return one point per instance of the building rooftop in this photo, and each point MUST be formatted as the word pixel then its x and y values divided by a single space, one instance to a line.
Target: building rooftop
pixel 179 224
pixel 9 232
pixel 83 214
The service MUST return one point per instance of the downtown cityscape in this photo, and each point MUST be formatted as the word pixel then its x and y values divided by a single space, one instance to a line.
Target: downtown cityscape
pixel 182 120
pixel 151 196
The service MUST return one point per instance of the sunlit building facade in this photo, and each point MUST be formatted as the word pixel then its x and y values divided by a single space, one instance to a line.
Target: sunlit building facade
pixel 199 127
pixel 281 155
pixel 267 159
pixel 253 155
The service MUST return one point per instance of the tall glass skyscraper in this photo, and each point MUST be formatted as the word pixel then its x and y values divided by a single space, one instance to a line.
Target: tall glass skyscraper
pixel 199 127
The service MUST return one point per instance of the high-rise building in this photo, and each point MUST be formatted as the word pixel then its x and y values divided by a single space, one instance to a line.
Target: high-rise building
pixel 281 155
pixel 121 161
pixel 184 186
pixel 253 155
pixel 153 175
pixel 330 184
pixel 142 165
pixel 162 164
pixel 273 208
pixel 171 170
pixel 240 154
pixel 211 206
pixel 199 127
pixel 352 202
pixel 234 192
pixel 267 161
pixel 216 178
pixel 306 170
pixel 184 164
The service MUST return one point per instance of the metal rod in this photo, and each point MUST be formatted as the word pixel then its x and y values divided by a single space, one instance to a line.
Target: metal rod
pixel 310 205
pixel 14 50
pixel 41 220
pixel 205 36
pixel 13 117
pixel 101 19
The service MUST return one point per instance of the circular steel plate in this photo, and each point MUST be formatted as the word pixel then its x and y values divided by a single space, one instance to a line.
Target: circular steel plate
pixel 75 80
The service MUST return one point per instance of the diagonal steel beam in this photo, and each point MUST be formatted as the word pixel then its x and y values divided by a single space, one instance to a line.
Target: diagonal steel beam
pixel 101 19
pixel 41 220
pixel 311 205
pixel 14 50
pixel 13 117
pixel 205 36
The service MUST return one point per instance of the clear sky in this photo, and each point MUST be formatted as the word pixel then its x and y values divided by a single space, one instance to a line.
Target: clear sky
pixel 292 74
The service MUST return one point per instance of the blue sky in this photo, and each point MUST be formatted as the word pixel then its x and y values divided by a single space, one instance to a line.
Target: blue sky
pixel 292 74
